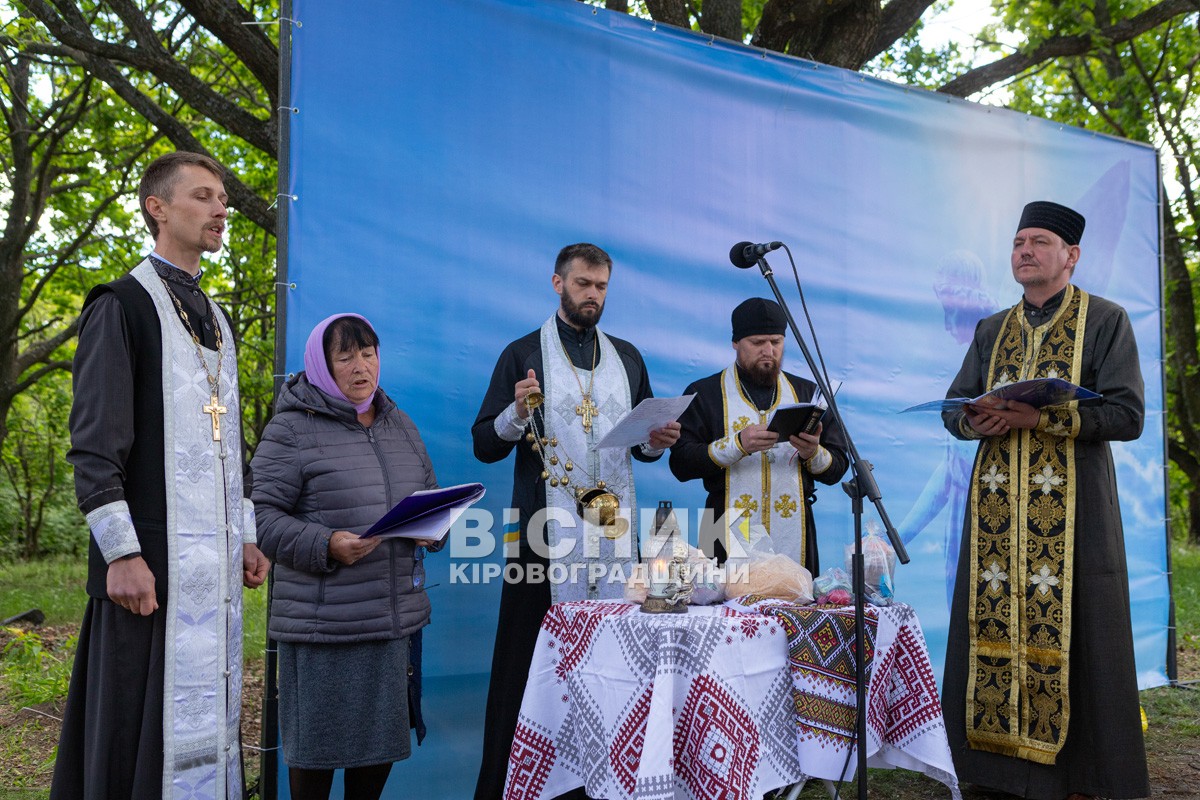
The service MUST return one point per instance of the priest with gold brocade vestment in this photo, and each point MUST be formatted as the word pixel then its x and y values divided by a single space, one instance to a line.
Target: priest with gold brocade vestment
pixel 1040 691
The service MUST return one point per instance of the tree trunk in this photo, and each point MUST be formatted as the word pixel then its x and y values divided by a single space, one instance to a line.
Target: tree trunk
pixel 722 18
pixel 1183 358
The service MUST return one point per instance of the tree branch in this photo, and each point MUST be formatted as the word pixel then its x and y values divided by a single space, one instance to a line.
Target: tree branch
pixel 1061 46
pixel 247 42
pixel 241 196
pixel 897 19
pixel 150 56
pixel 40 352
pixel 39 373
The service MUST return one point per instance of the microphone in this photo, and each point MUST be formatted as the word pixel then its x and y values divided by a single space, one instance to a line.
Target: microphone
pixel 744 255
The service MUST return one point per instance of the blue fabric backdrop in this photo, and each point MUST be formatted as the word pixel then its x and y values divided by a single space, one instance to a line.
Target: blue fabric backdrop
pixel 444 151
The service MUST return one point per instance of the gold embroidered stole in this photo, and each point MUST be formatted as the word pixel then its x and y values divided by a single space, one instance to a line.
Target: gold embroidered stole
pixel 766 487
pixel 1022 517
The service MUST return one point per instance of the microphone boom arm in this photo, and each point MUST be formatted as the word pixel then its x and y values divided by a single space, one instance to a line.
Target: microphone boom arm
pixel 864 478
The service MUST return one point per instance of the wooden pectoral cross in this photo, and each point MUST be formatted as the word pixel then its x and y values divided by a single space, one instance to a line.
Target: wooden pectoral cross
pixel 587 410
pixel 214 409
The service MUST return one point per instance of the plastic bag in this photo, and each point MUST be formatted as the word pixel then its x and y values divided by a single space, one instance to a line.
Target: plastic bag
pixel 766 573
pixel 708 579
pixel 833 588
pixel 879 566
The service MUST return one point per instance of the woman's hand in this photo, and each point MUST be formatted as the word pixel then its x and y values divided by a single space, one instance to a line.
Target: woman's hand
pixel 346 548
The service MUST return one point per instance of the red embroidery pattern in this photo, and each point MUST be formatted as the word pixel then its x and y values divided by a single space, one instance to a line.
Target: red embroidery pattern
pixel 529 764
pixel 716 742
pixel 912 695
pixel 625 755
pixel 573 625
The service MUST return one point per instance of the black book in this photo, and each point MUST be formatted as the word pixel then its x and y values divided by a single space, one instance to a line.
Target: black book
pixel 794 419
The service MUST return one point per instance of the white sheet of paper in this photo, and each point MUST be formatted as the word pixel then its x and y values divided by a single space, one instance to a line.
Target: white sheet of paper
pixel 650 414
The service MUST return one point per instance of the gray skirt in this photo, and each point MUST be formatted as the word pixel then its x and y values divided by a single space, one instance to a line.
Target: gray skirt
pixel 344 705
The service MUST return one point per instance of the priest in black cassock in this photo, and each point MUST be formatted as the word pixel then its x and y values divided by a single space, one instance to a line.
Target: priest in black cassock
pixel 1040 691
pixel 154 704
pixel 745 468
pixel 554 393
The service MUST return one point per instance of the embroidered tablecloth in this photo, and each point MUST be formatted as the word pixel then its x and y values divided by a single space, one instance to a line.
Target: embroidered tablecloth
pixel 904 715
pixel 655 706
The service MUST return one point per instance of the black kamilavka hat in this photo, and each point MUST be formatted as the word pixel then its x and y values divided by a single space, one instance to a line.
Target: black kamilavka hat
pixel 1053 217
pixel 757 316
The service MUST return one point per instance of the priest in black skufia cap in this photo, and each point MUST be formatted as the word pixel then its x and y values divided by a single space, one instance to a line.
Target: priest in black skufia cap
pixel 744 466
pixel 1040 691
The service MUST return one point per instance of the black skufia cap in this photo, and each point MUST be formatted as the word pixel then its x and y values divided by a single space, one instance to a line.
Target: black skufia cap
pixel 757 316
pixel 1053 217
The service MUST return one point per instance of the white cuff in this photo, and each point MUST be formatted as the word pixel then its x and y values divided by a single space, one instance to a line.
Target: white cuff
pixel 820 461
pixel 508 425
pixel 249 528
pixel 726 452
pixel 112 527
pixel 651 452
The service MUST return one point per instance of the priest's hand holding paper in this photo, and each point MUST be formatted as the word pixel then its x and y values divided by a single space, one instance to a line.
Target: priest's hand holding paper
pixel 131 585
pixel 806 444
pixel 662 438
pixel 346 547
pixel 756 438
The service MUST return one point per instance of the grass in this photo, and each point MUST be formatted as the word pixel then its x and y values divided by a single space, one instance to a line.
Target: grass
pixel 1185 585
pixel 22 768
pixel 56 586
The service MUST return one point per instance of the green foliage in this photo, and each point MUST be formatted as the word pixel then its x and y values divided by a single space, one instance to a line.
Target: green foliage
pixel 751 15
pixel 910 62
pixel 33 673
pixel 40 516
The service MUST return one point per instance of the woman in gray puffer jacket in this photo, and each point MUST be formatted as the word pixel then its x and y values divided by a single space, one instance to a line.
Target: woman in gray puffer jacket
pixel 337 455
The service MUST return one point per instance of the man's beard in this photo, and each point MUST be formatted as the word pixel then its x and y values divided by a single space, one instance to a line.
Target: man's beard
pixel 579 316
pixel 763 374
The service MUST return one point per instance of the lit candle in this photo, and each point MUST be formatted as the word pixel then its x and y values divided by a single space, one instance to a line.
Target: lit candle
pixel 660 576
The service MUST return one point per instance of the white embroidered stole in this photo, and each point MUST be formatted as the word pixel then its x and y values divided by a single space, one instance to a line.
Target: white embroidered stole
pixel 768 487
pixel 573 545
pixel 203 659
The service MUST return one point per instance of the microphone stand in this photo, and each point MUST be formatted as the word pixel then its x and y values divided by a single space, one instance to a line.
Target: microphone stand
pixel 862 485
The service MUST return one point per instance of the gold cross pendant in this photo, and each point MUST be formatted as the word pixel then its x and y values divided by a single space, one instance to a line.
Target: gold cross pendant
pixel 214 409
pixel 587 410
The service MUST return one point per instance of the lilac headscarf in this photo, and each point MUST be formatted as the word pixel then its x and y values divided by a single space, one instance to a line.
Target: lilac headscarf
pixel 316 368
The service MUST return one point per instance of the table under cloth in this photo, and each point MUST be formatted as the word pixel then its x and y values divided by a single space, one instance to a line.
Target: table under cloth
pixel 655 706
pixel 904 715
